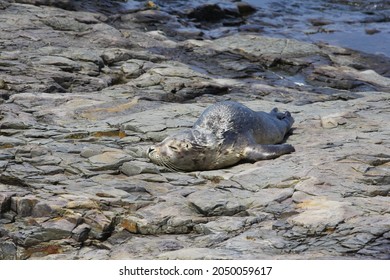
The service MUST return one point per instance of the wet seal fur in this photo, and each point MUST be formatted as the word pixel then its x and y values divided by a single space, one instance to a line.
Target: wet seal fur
pixel 225 134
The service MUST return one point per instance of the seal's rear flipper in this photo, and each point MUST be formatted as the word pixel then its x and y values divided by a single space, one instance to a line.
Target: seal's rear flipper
pixel 261 152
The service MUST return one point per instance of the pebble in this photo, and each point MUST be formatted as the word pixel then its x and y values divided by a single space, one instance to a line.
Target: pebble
pixel 135 167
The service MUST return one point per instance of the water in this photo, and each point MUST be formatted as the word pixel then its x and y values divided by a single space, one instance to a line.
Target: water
pixel 362 25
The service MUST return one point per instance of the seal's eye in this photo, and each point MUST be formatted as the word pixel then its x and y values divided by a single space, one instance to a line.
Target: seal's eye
pixel 173 148
pixel 187 146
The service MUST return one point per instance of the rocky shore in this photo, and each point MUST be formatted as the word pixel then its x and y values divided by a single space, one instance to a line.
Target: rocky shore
pixel 86 88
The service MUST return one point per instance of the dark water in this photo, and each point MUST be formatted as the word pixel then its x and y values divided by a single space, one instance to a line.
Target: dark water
pixel 360 24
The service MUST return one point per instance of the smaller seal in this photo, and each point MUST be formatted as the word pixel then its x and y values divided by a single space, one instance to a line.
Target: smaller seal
pixel 225 134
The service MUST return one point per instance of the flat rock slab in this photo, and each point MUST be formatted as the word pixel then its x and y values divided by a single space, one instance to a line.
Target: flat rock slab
pixel 319 214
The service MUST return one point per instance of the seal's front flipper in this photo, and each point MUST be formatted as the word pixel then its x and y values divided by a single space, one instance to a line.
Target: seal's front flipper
pixel 261 152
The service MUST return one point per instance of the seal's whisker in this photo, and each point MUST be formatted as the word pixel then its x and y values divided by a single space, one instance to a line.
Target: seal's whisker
pixel 177 169
pixel 162 162
pixel 170 165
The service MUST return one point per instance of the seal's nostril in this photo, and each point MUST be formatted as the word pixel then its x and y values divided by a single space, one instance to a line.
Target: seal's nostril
pixel 151 149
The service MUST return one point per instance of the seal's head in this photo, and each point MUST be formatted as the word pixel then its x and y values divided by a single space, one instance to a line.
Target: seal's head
pixel 184 151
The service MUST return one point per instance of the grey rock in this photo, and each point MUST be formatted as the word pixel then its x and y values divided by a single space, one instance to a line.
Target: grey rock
pixel 108 160
pixel 169 245
pixel 65 24
pixel 200 254
pixel 5 202
pixel 52 230
pixel 266 49
pixel 181 180
pixel 4 156
pixel 223 225
pixel 136 167
pixel 90 253
pixel 79 202
pixel 162 118
pixel 90 152
pixel 3 163
pixel 61 62
pixel 333 121
pixel 8 250
pixel 379 175
pixel 220 205
pixel 175 82
pixel 134 246
pixel 320 215
pixel 150 16
pixel 48 208
pixel 169 217
pixel 51 170
pixel 232 201
pixel 58 228
pixel 132 68
pixel 101 224
pixel 9 142
pixel 23 206
pixel 80 233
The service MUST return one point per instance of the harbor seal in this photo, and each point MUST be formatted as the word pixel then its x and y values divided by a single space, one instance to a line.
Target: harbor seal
pixel 226 133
